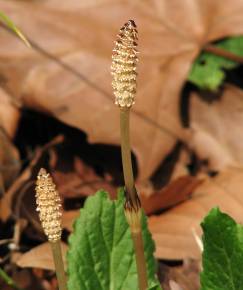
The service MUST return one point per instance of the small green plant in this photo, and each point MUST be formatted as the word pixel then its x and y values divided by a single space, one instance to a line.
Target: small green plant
pixel 101 253
pixel 208 70
pixel 124 65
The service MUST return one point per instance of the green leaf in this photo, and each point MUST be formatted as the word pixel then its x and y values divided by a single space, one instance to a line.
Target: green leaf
pixel 101 254
pixel 9 23
pixel 223 253
pixel 155 287
pixel 208 70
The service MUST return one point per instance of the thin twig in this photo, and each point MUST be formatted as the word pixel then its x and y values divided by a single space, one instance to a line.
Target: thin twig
pixel 5 241
pixel 223 53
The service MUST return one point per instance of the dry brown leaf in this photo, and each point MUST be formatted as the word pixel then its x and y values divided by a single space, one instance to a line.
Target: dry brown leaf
pixel 177 191
pixel 40 257
pixel 82 181
pixel 68 217
pixel 171 34
pixel 217 128
pixel 9 113
pixel 9 155
pixel 9 161
pixel 173 230
pixel 98 109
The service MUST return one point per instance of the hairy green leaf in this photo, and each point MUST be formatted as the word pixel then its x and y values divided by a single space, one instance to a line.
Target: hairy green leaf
pixel 208 70
pixel 223 253
pixel 101 254
pixel 9 23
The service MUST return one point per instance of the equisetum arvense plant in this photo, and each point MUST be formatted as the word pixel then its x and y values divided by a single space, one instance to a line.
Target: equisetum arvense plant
pixel 124 66
pixel 49 208
pixel 123 69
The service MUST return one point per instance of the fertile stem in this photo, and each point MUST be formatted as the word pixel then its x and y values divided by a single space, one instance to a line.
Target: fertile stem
pixel 124 65
pixel 59 266
pixel 49 207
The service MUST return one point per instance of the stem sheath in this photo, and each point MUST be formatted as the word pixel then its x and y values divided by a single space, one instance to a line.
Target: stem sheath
pixel 57 256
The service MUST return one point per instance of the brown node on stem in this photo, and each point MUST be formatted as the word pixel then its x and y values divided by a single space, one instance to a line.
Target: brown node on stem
pixel 49 206
pixel 124 65
pixel 133 213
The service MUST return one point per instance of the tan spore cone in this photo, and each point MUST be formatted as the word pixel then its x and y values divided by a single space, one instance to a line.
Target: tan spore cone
pixel 124 65
pixel 49 206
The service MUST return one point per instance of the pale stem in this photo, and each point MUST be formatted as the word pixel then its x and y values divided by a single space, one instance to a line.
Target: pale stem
pixel 140 260
pixel 132 194
pixel 60 272
pixel 126 153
